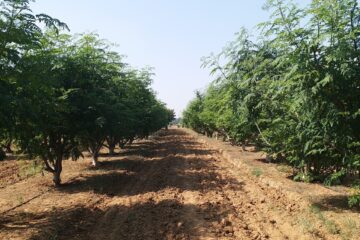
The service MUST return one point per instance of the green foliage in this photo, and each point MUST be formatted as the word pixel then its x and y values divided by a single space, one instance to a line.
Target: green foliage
pixel 61 95
pixel 19 33
pixel 293 91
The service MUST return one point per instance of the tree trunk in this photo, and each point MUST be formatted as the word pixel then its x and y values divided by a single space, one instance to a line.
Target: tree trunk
pixel 111 148
pixel 111 144
pixel 307 168
pixel 8 147
pixel 122 144
pixel 243 146
pixel 94 159
pixel 56 178
pixel 269 158
pixel 57 171
pixel 94 150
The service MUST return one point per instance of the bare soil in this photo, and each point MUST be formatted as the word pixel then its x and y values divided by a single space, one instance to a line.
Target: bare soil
pixel 176 185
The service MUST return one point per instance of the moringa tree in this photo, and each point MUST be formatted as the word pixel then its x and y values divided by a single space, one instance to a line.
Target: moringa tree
pixel 20 32
pixel 293 91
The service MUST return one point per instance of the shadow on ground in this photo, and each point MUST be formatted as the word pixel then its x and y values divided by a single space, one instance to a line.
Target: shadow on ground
pixel 167 162
pixel 335 203
pixel 149 220
pixel 171 172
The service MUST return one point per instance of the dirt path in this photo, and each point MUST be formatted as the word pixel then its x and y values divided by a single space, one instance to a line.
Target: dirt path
pixel 170 187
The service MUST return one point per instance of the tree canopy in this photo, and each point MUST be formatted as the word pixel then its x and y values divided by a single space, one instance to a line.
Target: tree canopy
pixel 293 91
pixel 62 94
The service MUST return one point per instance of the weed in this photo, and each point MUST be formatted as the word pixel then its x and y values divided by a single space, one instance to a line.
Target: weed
pixel 307 225
pixel 329 224
pixel 349 229
pixel 354 198
pixel 29 169
pixel 275 208
pixel 257 172
pixel 20 200
pixel 315 209
pixel 284 169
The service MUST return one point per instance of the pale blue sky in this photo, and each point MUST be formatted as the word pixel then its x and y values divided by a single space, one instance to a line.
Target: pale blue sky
pixel 169 35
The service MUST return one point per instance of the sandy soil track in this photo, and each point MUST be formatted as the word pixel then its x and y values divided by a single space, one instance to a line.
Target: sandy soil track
pixel 170 187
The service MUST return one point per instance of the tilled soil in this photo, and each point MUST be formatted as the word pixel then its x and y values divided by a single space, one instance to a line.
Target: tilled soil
pixel 169 187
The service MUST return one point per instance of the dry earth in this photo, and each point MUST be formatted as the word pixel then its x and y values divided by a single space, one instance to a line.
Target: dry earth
pixel 177 185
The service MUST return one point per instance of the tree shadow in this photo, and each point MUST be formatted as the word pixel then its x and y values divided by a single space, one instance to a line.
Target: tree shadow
pixel 335 203
pixel 15 157
pixel 149 148
pixel 263 160
pixel 138 149
pixel 166 219
pixel 53 224
pixel 170 162
pixel 124 177
pixel 9 157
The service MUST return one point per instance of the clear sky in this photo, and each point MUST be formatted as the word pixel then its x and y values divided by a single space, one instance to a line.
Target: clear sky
pixel 169 35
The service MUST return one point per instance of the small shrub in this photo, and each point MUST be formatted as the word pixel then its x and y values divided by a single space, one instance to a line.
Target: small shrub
pixel 335 178
pixel 302 177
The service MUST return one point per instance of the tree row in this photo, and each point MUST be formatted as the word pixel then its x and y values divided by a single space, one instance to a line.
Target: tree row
pixel 293 91
pixel 62 95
